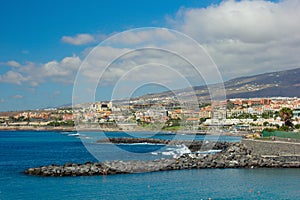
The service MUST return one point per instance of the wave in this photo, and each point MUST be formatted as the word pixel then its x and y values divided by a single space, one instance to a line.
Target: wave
pixel 175 151
pixel 84 137
pixel 183 149
pixel 74 134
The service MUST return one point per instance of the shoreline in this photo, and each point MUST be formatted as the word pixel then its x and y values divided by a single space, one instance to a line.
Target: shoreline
pixel 91 129
pixel 40 128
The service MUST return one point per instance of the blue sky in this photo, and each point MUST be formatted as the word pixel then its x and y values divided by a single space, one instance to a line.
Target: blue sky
pixel 38 36
pixel 37 26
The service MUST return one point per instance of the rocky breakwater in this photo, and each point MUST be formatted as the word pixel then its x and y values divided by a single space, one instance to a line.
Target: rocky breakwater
pixel 194 146
pixel 236 155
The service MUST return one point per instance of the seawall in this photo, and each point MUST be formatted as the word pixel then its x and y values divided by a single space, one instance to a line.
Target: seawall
pixel 192 145
pixel 275 148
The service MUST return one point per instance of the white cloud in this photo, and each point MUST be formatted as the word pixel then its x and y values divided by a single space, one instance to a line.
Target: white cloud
pixel 247 21
pixel 13 63
pixel 152 55
pixel 246 37
pixel 242 37
pixel 12 77
pixel 79 39
pixel 17 96
pixel 33 74
pixel 63 71
pixel 139 36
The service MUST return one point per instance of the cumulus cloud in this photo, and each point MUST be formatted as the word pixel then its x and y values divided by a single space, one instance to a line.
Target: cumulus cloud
pixel 12 77
pixel 144 56
pixel 63 71
pixel 246 37
pixel 13 63
pixel 63 68
pixel 242 37
pixel 79 39
pixel 59 71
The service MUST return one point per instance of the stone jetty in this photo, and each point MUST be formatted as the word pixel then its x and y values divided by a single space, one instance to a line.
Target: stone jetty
pixel 235 155
pixel 195 145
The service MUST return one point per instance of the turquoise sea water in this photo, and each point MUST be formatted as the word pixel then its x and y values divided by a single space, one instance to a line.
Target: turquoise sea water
pixel 22 149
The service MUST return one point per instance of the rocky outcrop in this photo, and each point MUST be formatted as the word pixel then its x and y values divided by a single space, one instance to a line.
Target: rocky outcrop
pixel 236 155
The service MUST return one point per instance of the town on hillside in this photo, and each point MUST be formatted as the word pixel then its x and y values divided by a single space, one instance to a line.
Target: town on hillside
pixel 166 114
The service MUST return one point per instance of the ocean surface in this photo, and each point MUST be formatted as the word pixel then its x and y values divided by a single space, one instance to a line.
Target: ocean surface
pixel 20 150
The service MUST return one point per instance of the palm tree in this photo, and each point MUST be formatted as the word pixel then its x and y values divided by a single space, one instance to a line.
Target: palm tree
pixel 286 115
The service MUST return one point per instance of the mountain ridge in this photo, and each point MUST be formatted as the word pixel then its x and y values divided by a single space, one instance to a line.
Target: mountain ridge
pixel 285 83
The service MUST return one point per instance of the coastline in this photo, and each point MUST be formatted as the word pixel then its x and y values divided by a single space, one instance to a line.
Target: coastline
pixel 40 128
pixel 96 129
pixel 242 154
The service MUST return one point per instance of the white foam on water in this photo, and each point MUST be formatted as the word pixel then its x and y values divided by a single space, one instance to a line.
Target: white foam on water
pixel 183 149
pixel 74 134
pixel 168 153
pixel 84 137
pixel 174 151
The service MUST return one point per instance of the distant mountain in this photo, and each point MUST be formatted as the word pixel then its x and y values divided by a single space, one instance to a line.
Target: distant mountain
pixel 283 83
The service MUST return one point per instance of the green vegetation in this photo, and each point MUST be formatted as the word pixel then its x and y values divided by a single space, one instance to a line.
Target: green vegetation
pixel 267 114
pixel 202 120
pixel 244 116
pixel 172 128
pixel 203 105
pixel 173 122
pixel 229 105
pixel 140 122
pixel 268 130
pixel 286 115
pixel 278 128
pixel 19 119
pixel 266 123
pixel 172 125
pixel 284 128
pixel 65 123
pixel 297 126
pixel 276 114
pixel 281 134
